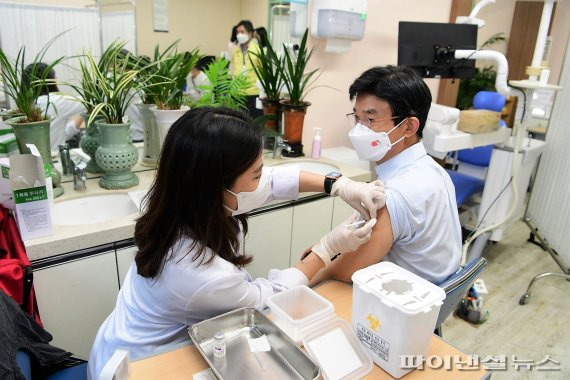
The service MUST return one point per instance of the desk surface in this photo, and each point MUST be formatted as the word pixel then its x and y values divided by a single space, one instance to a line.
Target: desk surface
pixel 182 363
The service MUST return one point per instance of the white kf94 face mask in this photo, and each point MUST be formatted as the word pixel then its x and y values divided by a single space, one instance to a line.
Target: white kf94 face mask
pixel 370 145
pixel 250 200
pixel 242 38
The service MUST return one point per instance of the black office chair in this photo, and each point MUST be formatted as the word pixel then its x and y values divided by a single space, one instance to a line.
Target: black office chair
pixel 456 287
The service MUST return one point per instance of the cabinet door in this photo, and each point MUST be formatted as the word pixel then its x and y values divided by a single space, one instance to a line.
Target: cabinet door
pixel 269 241
pixel 310 222
pixel 341 211
pixel 74 299
pixel 125 257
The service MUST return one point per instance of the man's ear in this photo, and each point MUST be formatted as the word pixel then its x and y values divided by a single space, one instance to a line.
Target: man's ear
pixel 412 124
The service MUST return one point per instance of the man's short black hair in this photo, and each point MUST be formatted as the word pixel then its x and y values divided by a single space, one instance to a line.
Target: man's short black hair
pixel 405 92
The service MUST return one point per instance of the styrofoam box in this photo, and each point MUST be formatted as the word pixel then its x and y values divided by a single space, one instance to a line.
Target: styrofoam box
pixel 394 313
pixel 296 308
pixel 333 345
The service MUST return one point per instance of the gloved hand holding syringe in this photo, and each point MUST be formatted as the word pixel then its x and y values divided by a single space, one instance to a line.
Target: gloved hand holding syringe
pixel 355 225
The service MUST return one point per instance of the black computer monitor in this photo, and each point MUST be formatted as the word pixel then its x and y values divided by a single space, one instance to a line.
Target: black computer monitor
pixel 428 48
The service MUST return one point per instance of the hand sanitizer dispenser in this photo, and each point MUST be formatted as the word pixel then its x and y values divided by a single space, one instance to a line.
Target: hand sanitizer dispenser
pixel 339 21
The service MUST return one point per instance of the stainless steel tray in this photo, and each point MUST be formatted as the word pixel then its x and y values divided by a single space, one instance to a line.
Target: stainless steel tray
pixel 284 361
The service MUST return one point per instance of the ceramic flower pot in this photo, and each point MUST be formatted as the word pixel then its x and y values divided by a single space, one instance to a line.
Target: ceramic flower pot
pixel 151 147
pixel 116 155
pixel 165 118
pixel 90 142
pixel 271 112
pixel 294 118
pixel 36 133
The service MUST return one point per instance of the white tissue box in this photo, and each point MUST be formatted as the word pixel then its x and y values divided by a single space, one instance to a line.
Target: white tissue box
pixel 31 195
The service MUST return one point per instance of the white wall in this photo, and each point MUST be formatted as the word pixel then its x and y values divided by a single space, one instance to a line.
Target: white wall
pixel 206 24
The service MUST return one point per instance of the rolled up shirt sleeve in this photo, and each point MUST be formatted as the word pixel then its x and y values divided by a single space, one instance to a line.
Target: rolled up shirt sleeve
pixel 284 181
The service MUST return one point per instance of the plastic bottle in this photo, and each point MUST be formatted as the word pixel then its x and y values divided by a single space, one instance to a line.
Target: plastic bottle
pixel 316 151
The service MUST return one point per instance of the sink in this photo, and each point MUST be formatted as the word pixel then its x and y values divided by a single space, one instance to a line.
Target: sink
pixel 93 209
pixel 312 166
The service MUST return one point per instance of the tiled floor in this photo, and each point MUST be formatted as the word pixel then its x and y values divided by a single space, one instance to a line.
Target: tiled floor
pixel 529 332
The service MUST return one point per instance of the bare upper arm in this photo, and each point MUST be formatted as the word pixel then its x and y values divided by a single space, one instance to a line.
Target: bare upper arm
pixel 367 254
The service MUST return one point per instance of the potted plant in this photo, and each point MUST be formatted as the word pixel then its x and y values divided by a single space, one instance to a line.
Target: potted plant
pixel 271 80
pixel 33 126
pixel 90 94
pixel 169 95
pixel 296 81
pixel 149 73
pixel 116 154
pixel 224 90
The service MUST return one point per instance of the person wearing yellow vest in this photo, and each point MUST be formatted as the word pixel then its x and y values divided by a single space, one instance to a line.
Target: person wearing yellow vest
pixel 243 61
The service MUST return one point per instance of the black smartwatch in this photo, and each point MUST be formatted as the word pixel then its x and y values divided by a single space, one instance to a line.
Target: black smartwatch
pixel 330 179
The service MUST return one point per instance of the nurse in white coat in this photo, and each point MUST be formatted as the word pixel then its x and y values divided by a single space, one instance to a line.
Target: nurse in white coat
pixel 190 265
pixel 198 79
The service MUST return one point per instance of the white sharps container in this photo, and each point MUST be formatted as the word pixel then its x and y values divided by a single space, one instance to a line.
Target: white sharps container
pixel 394 313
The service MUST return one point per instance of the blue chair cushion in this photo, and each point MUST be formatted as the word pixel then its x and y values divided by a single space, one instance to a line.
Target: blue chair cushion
pixel 480 156
pixel 465 185
pixel 23 360
pixel 77 372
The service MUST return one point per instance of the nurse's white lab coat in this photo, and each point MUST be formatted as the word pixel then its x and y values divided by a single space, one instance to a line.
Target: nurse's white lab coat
pixel 152 313
pixel 63 109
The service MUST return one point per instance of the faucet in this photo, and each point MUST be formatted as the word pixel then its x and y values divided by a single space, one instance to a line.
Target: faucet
pixel 279 146
pixel 79 177
pixel 66 163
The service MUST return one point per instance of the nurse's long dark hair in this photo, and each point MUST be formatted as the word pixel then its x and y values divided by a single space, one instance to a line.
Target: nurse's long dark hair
pixel 203 153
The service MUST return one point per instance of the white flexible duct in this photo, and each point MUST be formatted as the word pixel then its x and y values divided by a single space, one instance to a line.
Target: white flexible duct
pixel 505 90
pixel 480 5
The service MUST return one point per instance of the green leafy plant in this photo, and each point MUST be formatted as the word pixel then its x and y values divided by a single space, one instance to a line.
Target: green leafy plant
pixel 293 72
pixel 484 79
pixel 224 89
pixel 268 71
pixel 25 94
pixel 175 66
pixel 89 90
pixel 114 75
pixel 148 72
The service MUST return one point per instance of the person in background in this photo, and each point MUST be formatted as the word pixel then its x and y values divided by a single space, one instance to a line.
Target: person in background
pixel 66 112
pixel 190 263
pixel 198 78
pixel 261 36
pixel 243 61
pixel 135 118
pixel 419 228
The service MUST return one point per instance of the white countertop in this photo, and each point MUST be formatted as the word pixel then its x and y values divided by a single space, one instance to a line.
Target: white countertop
pixel 76 237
